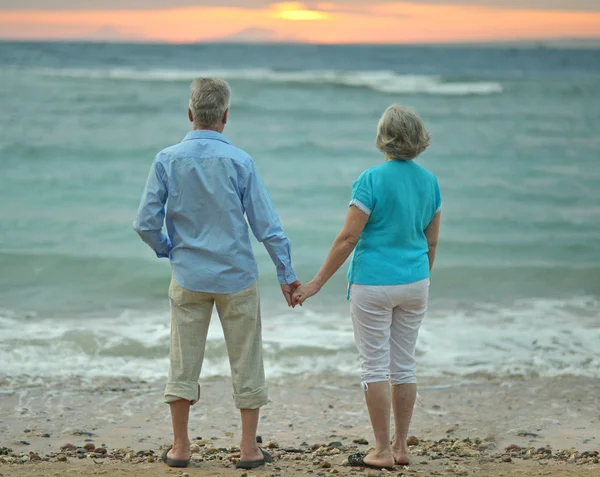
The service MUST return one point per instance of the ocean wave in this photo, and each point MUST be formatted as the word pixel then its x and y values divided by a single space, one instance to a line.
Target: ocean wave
pixel 532 337
pixel 379 80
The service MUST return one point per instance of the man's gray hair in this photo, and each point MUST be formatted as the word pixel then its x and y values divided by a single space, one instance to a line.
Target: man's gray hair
pixel 401 133
pixel 209 99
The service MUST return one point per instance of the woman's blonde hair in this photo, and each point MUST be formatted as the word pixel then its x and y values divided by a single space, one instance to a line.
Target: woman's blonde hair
pixel 401 133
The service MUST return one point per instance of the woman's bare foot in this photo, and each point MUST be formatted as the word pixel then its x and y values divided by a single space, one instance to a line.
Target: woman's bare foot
pixel 400 453
pixel 380 459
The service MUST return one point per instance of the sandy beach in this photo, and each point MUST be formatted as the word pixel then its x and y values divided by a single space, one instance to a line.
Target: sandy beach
pixel 479 427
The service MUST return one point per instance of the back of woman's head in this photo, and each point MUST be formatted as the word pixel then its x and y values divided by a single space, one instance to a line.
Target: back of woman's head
pixel 401 133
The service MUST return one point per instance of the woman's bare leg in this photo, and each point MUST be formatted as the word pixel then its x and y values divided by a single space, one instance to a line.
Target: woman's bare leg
pixel 378 397
pixel 403 403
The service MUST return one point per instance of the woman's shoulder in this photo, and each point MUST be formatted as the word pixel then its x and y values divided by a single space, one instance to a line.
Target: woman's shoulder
pixel 426 173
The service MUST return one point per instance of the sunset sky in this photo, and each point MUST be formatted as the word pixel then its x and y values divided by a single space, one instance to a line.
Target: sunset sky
pixel 327 21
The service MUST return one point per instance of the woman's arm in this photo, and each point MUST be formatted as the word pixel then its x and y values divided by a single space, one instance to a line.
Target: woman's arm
pixel 432 233
pixel 341 249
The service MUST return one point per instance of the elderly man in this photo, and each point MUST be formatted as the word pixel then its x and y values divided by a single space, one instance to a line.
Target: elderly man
pixel 207 185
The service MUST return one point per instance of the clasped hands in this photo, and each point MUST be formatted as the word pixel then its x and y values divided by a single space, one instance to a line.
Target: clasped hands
pixel 296 293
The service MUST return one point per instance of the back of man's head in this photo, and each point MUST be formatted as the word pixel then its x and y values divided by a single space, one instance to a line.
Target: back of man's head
pixel 209 99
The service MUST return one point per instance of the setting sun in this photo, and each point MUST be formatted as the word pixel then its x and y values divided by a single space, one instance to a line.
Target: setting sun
pixel 297 11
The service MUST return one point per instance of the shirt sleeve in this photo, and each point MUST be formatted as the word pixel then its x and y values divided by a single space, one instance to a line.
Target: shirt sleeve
pixel 266 226
pixel 437 200
pixel 151 212
pixel 362 194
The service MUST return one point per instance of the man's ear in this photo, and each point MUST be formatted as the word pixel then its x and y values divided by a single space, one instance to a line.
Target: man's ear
pixel 225 116
pixel 190 115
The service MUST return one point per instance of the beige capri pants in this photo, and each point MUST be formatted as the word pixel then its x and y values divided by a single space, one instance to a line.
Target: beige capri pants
pixel 239 314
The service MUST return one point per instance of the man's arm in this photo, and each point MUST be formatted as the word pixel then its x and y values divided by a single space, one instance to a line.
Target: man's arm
pixel 151 213
pixel 267 229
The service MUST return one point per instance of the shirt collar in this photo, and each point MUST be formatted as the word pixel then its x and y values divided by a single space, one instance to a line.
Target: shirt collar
pixel 206 134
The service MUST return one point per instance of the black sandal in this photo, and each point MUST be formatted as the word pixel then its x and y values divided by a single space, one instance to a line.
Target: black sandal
pixel 173 462
pixel 358 460
pixel 253 464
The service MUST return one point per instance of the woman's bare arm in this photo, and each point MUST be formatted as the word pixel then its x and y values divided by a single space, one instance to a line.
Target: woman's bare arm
pixel 432 233
pixel 341 249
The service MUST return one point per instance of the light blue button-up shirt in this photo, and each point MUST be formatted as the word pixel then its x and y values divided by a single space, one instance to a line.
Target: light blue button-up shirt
pixel 207 185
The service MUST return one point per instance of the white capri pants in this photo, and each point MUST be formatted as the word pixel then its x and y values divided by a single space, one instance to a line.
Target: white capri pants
pixel 386 322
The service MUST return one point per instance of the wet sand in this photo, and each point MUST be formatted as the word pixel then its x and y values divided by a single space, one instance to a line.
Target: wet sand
pixel 551 426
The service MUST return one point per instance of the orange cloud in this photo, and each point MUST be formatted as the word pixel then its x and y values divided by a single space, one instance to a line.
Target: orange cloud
pixel 392 22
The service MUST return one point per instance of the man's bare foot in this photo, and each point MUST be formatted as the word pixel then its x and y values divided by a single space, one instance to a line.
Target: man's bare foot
pixel 251 453
pixel 380 459
pixel 181 452
pixel 400 453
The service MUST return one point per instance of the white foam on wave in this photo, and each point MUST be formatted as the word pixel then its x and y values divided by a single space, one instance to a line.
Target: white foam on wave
pixel 380 80
pixel 529 337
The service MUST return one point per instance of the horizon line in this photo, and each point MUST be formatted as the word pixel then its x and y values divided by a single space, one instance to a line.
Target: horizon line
pixel 592 42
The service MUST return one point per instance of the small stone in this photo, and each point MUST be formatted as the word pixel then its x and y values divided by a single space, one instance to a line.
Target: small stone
pixel 469 453
pixel 68 448
pixel 185 474
pixel 61 458
pixel 45 434
pixel 506 458
pixel 326 465
pixel 26 430
pixel 89 447
pixel 361 441
pixel 527 434
pixel 151 459
pixel 100 450
pixel 81 450
pixel 272 445
pixel 293 450
pixel 335 444
pixel 259 439
pixel 34 456
pixel 513 448
pixel 245 474
pixel 412 441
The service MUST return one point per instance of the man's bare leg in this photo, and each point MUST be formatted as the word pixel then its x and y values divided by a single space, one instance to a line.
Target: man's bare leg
pixel 180 413
pixel 249 448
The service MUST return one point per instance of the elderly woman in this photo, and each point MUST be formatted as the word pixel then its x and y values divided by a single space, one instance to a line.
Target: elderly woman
pixel 393 222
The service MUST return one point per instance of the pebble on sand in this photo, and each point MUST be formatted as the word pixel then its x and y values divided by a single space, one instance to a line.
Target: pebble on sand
pixel 361 441
pixel 412 441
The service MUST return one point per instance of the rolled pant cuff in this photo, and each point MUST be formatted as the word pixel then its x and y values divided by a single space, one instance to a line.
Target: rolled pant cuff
pixel 403 378
pixel 188 390
pixel 252 400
